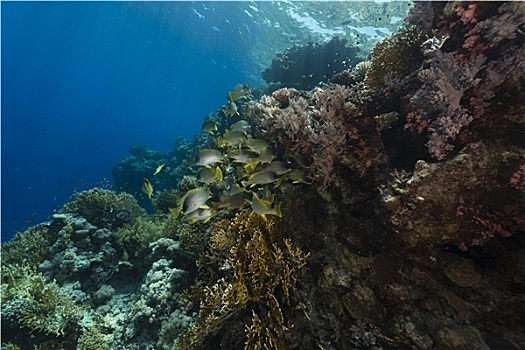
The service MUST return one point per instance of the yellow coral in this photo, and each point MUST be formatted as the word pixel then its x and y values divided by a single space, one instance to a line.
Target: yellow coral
pixel 260 268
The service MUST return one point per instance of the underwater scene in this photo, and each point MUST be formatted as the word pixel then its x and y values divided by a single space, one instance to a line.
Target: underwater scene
pixel 263 175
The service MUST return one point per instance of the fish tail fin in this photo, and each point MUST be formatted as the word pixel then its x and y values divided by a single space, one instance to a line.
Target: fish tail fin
pixel 175 212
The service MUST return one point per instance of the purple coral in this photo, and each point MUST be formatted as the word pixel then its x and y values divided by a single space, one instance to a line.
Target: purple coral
pixel 464 76
pixel 313 129
pixel 438 103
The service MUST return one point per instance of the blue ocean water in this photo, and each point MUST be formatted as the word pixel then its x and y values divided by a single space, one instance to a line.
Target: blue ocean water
pixel 84 81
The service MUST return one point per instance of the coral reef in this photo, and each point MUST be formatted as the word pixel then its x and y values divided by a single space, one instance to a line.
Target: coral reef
pixel 29 302
pixel 304 66
pixel 384 210
pixel 479 49
pixel 104 208
pixel 396 57
pixel 253 271
pixel 327 126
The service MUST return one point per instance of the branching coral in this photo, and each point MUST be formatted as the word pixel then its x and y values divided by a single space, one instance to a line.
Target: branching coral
pixel 31 247
pixel 466 71
pixel 313 132
pixel 322 125
pixel 30 302
pixel 259 270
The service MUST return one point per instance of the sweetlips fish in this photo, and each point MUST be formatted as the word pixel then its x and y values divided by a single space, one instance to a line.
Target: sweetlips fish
pixel 241 125
pixel 260 178
pixel 257 145
pixel 231 138
pixel 147 188
pixel 240 155
pixel 209 157
pixel 209 126
pixel 277 166
pixel 209 175
pixel 263 207
pixel 159 169
pixel 234 201
pixel 203 215
pixel 266 156
pixel 191 201
pixel 230 110
pixel 297 176
pixel 239 91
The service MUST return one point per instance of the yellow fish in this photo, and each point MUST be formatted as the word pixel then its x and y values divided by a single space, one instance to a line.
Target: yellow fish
pixel 159 169
pixel 191 201
pixel 241 125
pixel 231 138
pixel 209 175
pixel 209 126
pixel 209 157
pixel 258 145
pixel 147 188
pixel 203 215
pixel 260 178
pixel 230 110
pixel 239 91
pixel 297 176
pixel 264 207
pixel 234 201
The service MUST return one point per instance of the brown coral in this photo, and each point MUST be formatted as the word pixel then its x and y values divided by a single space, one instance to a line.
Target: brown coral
pixel 255 271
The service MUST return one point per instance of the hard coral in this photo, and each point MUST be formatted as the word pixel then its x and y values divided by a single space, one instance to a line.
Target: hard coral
pixel 102 207
pixel 395 57
pixel 30 302
pixel 255 271
pixel 304 66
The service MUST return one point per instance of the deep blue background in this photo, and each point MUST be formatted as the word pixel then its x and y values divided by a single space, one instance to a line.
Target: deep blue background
pixel 82 81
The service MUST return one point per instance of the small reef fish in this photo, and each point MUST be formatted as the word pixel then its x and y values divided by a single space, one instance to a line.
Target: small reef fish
pixel 277 166
pixel 260 178
pixel 159 169
pixel 263 207
pixel 209 157
pixel 265 157
pixel 257 145
pixel 240 155
pixel 209 126
pixel 191 201
pixel 241 125
pixel 203 215
pixel 234 201
pixel 209 175
pixel 239 91
pixel 231 138
pixel 147 188
pixel 297 176
pixel 230 110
